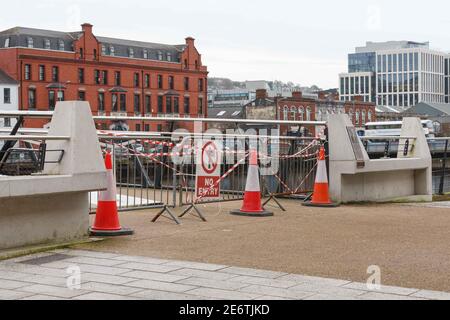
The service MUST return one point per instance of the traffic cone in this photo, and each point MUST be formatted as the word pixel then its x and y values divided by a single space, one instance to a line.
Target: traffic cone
pixel 252 206
pixel 321 196
pixel 107 218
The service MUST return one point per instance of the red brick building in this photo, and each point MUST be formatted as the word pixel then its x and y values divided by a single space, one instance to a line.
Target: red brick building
pixel 302 108
pixel 117 77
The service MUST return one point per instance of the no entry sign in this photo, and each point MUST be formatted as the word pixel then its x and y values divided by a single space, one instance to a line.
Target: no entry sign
pixel 207 184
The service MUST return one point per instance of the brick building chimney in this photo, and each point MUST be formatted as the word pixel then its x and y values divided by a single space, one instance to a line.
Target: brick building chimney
pixel 261 94
pixel 87 28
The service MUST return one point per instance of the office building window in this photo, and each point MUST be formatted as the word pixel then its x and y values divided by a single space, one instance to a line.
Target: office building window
pixel 200 106
pixel 187 106
pixel 30 42
pixel 176 105
pixel 6 95
pixel 55 74
pixel 103 50
pixel 28 72
pixel 131 52
pixel 136 80
pixel 148 104
pixel 137 103
pixel 41 73
pixel 145 54
pixel 160 55
pixel 81 75
pixel 97 76
pixel 101 101
pixel 169 57
pixel 32 99
pixel 168 104
pixel 171 82
pixel 61 45
pixel 123 102
pixel 160 81
pixel 186 84
pixel 51 100
pixel 147 81
pixel 112 51
pixel 7 40
pixel 81 96
pixel 117 80
pixel 114 102
pixel 160 104
pixel 47 44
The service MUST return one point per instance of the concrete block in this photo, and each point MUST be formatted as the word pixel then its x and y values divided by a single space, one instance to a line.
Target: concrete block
pixel 159 285
pixel 253 272
pixel 224 294
pixel 148 275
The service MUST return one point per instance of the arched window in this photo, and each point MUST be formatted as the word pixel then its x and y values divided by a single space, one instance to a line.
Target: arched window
pixel 301 112
pixel 363 117
pixel 319 115
pixel 357 117
pixel 369 116
pixel 308 114
pixel 285 112
pixel 293 113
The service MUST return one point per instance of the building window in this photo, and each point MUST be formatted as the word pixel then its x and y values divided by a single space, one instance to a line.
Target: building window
pixel 97 76
pixel 136 80
pixel 171 82
pixel 81 96
pixel 147 81
pixel 117 78
pixel 95 54
pixel 138 127
pixel 55 74
pixel 61 45
pixel 285 113
pixel 7 41
pixel 30 42
pixel 168 104
pixel 160 81
pixel 114 102
pixel 28 72
pixel 147 127
pixel 103 50
pixel 145 54
pixel 176 105
pixel 148 104
pixel 160 55
pixel 101 101
pixel 80 75
pixel 47 44
pixel 123 102
pixel 200 106
pixel 112 51
pixel 186 84
pixel 81 53
pixel 104 79
pixel 185 63
pixel 160 104
pixel 308 114
pixel 187 106
pixel 51 100
pixel 137 103
pixel 200 85
pixel 7 122
pixel 6 95
pixel 41 73
pixel 169 57
pixel 131 52
pixel 60 95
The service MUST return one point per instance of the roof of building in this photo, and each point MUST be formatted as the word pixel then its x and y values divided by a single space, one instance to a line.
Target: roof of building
pixel 6 79
pixel 225 112
pixel 19 37
pixel 430 109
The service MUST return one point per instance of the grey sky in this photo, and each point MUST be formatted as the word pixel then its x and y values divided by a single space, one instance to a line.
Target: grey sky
pixel 299 41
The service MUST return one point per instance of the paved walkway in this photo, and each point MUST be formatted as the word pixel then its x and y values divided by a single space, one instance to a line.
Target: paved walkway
pixel 114 276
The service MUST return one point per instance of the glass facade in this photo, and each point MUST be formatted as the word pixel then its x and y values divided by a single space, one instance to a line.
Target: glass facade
pixel 361 62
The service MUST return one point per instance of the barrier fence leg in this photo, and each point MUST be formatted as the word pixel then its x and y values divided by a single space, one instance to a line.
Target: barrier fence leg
pixel 193 206
pixel 272 197
pixel 171 215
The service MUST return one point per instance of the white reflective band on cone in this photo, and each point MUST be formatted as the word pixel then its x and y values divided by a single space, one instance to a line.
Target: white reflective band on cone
pixel 111 192
pixel 253 179
pixel 321 176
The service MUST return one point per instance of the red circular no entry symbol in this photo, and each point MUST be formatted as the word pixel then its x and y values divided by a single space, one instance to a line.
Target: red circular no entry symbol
pixel 210 157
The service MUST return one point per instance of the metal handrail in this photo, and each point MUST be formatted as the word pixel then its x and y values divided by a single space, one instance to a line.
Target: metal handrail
pixel 32 137
pixel 386 138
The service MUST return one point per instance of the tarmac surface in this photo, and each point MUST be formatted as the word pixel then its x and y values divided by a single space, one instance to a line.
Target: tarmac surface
pixel 410 244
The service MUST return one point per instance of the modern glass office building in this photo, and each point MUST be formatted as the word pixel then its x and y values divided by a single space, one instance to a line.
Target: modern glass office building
pixel 401 73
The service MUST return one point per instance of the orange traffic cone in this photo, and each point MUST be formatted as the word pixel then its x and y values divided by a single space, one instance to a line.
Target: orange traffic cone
pixel 107 218
pixel 252 206
pixel 321 196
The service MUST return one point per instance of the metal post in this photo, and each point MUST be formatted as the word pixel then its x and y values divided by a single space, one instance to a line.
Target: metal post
pixel 444 166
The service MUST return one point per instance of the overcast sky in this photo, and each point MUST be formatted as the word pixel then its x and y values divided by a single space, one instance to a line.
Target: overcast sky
pixel 299 41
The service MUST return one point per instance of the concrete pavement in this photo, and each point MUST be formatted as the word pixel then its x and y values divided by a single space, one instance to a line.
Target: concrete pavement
pixel 113 276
